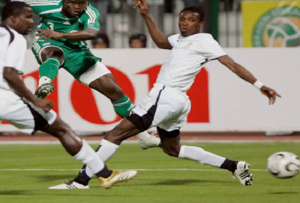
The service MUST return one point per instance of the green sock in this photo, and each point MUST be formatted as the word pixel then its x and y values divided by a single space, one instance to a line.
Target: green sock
pixel 123 106
pixel 50 68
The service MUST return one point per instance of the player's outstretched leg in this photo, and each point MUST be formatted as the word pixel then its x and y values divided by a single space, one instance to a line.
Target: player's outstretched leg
pixel 239 169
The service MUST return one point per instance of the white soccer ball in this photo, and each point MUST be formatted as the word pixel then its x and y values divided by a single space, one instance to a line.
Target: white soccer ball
pixel 283 164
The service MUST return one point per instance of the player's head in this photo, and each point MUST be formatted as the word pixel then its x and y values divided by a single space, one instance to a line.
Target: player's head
pixel 17 15
pixel 138 41
pixel 191 20
pixel 74 7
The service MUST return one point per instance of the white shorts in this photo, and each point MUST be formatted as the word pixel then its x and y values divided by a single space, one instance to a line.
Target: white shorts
pixel 93 73
pixel 164 107
pixel 23 114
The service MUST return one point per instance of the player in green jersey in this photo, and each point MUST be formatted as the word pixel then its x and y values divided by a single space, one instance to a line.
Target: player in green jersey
pixel 64 27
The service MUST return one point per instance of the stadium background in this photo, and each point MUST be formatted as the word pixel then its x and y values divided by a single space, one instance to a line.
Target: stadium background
pixel 231 120
pixel 221 102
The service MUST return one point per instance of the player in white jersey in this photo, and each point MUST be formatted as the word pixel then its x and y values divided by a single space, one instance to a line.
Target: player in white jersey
pixel 167 105
pixel 21 108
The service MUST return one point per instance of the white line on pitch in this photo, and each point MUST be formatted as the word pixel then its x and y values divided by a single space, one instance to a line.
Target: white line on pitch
pixel 166 169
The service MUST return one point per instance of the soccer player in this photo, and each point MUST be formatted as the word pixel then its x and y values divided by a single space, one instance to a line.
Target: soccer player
pixel 24 110
pixel 189 51
pixel 64 27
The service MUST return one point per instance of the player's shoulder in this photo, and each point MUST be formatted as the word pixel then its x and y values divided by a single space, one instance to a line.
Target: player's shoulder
pixel 12 35
pixel 202 36
pixel 174 36
pixel 90 12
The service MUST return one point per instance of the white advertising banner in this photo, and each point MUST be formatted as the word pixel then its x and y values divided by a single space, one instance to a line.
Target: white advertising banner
pixel 220 100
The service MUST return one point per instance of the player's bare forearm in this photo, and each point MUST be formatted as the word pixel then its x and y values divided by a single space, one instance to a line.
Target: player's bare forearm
pixel 82 35
pixel 13 79
pixel 243 73
pixel 158 37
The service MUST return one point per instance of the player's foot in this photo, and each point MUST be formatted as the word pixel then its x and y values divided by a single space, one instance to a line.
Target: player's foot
pixel 44 90
pixel 149 140
pixel 117 176
pixel 69 186
pixel 242 173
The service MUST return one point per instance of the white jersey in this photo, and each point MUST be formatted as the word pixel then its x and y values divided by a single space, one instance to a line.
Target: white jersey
pixel 12 52
pixel 187 58
pixel 13 108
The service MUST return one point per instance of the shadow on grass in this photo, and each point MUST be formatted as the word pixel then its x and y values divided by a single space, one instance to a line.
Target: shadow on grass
pixel 14 192
pixel 283 193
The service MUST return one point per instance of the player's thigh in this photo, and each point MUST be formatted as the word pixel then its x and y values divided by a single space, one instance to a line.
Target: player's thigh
pixel 175 106
pixel 78 61
pixel 162 107
pixel 25 116
pixel 100 73
pixel 43 50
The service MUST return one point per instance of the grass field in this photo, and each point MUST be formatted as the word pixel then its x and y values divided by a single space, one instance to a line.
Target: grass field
pixel 26 171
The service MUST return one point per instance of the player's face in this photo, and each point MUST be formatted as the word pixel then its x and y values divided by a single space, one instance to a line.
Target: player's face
pixel 73 7
pixel 24 21
pixel 189 23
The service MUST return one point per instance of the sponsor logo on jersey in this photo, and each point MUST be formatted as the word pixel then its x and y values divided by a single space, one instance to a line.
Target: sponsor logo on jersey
pixel 279 27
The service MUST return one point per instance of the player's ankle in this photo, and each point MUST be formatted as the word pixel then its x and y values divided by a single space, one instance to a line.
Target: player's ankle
pixel 229 165
pixel 44 80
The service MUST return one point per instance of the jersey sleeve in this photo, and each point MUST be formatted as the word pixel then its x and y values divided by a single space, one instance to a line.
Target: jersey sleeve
pixel 90 18
pixel 210 48
pixel 41 6
pixel 173 39
pixel 15 53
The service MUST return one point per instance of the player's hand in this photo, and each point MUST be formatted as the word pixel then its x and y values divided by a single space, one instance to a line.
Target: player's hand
pixel 48 34
pixel 270 93
pixel 142 5
pixel 44 104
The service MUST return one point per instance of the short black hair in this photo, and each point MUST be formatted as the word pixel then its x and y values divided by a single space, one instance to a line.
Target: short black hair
pixel 196 9
pixel 140 36
pixel 101 38
pixel 14 8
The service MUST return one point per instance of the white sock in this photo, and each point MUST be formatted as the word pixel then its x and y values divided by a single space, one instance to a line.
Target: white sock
pixel 200 155
pixel 106 151
pixel 44 80
pixel 145 136
pixel 88 156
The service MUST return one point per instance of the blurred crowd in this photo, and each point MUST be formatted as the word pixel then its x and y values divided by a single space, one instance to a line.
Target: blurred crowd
pixel 137 37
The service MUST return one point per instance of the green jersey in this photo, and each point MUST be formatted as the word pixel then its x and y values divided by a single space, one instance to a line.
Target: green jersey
pixel 51 18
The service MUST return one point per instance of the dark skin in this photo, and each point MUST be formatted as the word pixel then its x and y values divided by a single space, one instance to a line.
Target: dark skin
pixel 189 24
pixel 106 84
pixel 72 143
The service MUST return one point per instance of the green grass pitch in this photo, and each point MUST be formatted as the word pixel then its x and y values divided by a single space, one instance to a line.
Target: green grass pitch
pixel 26 171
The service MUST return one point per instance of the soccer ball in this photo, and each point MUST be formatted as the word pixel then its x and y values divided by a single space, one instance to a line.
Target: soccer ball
pixel 283 164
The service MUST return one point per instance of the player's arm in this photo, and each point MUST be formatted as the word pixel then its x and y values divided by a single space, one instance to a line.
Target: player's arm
pixel 11 75
pixel 82 35
pixel 158 37
pixel 246 75
pixel 13 60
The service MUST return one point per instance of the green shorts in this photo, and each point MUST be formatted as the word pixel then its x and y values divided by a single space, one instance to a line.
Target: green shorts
pixel 76 60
